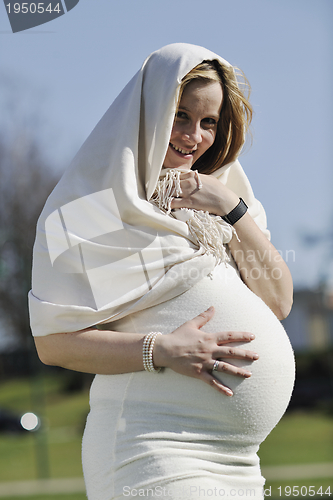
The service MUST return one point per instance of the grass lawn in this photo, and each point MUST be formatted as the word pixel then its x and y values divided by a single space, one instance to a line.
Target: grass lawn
pixel 53 452
pixel 299 438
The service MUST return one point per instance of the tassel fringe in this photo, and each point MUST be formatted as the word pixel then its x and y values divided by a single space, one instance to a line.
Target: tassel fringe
pixel 210 231
pixel 166 190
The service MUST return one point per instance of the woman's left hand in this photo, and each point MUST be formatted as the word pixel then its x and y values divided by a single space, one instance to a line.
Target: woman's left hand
pixel 259 263
pixel 212 197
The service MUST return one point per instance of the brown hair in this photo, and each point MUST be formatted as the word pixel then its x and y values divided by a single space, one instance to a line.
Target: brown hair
pixel 235 116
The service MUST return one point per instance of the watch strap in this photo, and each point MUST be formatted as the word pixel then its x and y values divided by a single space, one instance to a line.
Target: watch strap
pixel 235 214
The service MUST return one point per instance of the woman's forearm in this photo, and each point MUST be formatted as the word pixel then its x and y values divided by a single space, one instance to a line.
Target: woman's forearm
pixel 262 267
pixel 187 350
pixel 93 351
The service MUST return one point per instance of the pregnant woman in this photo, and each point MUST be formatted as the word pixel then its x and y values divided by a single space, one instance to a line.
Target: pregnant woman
pixel 153 269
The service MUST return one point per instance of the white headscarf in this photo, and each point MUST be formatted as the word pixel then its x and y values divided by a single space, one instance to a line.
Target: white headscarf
pixel 102 250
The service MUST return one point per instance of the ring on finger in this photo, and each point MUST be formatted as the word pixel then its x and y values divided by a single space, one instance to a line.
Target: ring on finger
pixel 197 177
pixel 215 366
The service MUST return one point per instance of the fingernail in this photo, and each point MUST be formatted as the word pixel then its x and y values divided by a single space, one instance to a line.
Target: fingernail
pixel 229 392
pixel 252 337
pixel 256 356
pixel 210 308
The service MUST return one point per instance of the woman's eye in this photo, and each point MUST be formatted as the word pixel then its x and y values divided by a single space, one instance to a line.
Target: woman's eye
pixel 209 121
pixel 182 115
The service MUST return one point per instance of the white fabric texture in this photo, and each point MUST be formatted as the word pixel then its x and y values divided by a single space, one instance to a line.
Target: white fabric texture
pixel 102 250
pixel 176 436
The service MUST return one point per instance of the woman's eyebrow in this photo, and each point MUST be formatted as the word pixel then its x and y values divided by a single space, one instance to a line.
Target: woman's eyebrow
pixel 213 115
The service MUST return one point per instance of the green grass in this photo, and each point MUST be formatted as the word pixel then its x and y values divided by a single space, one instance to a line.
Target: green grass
pixel 55 452
pixel 299 438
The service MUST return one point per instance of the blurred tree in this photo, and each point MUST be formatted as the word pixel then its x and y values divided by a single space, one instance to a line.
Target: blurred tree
pixel 25 182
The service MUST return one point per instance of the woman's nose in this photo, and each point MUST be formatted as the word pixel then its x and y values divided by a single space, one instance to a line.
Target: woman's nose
pixel 194 132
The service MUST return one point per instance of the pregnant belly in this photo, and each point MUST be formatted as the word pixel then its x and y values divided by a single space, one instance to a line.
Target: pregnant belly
pixel 193 407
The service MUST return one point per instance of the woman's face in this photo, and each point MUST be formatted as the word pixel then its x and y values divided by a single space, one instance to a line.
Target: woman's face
pixel 194 128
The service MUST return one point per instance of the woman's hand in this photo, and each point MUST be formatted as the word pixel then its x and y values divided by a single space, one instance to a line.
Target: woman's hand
pixel 190 351
pixel 212 197
pixel 187 350
pixel 259 263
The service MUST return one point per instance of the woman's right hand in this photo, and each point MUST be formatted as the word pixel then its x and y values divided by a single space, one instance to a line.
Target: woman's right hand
pixel 190 351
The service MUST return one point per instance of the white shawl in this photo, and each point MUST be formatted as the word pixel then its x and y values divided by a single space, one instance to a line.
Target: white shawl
pixel 102 249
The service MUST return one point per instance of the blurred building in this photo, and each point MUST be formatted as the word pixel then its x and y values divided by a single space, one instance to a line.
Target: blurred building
pixel 310 329
pixel 310 323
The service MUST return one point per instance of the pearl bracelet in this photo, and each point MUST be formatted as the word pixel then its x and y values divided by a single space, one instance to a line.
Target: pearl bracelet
pixel 147 352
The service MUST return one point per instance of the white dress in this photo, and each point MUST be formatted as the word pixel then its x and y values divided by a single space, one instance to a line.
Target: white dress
pixel 170 436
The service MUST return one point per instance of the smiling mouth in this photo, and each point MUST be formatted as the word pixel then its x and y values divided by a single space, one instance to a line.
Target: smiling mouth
pixel 182 151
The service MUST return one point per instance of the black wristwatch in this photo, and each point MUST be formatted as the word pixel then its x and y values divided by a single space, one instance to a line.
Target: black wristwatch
pixel 235 214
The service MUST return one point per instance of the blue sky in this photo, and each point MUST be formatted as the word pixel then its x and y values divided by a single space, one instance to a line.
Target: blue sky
pixel 69 71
